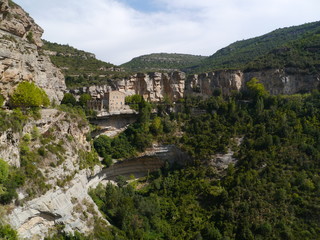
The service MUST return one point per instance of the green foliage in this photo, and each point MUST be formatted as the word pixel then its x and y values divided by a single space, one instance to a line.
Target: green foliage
pixel 81 68
pixel 271 193
pixel 268 49
pixel 134 101
pixel 1 100
pixel 84 98
pixel 28 95
pixel 88 159
pixel 30 37
pixel 118 147
pixel 4 171
pixel 14 120
pixel 163 62
pixel 6 232
pixel 69 99
pixel 256 89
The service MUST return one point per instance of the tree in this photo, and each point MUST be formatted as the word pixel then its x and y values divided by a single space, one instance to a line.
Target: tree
pixel 102 144
pixel 84 98
pixel 256 88
pixel 28 95
pixel 69 99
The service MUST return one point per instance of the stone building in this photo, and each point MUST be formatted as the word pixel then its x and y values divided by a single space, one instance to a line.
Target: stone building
pixel 111 101
pixel 115 100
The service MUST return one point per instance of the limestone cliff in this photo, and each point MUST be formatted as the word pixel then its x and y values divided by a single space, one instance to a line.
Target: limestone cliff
pixel 58 193
pixel 20 57
pixel 276 81
pixel 156 86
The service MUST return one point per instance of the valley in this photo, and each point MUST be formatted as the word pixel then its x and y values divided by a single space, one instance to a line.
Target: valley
pixel 166 146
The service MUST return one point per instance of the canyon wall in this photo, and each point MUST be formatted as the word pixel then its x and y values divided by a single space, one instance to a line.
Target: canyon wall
pixel 156 86
pixel 21 58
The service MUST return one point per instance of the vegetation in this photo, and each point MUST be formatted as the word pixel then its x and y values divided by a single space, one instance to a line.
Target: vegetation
pixel 81 68
pixel 1 100
pixel 300 56
pixel 163 62
pixel 6 232
pixel 271 193
pixel 28 95
pixel 277 43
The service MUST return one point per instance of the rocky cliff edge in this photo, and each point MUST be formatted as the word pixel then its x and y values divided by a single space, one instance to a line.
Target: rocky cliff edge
pixel 21 58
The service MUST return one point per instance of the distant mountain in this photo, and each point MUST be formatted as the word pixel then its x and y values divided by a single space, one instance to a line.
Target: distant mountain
pixel 79 67
pixel 259 51
pixel 164 62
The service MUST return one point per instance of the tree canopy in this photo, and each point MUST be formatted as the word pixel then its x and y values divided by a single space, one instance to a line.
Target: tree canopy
pixel 28 95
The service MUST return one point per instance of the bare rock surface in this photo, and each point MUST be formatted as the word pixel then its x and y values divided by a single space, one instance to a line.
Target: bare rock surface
pixel 20 57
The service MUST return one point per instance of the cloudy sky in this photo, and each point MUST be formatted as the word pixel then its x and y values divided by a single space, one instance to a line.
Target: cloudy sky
pixel 119 30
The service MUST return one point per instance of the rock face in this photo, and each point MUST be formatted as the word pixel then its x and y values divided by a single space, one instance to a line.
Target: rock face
pixel 16 21
pixel 71 206
pixel 156 86
pixel 284 81
pixel 276 81
pixel 20 57
pixel 205 84
pixel 153 87
pixel 68 199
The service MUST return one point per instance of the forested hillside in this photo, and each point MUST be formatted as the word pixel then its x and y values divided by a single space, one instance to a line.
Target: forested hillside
pixel 237 55
pixel 163 62
pixel 81 68
pixel 272 192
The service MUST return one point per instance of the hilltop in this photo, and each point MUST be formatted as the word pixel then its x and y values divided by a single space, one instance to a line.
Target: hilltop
pixel 241 54
pixel 163 62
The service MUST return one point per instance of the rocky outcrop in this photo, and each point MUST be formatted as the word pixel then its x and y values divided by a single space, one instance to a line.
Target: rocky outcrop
pixel 20 58
pixel 276 81
pixel 62 139
pixel 205 84
pixel 70 206
pixel 154 87
pixel 15 20
pixel 285 81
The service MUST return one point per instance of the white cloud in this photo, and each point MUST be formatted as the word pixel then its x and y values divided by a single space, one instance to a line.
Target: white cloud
pixel 116 32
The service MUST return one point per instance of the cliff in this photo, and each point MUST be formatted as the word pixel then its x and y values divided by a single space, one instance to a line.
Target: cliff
pixel 276 81
pixel 56 161
pixel 20 56
pixel 156 86
pixel 153 87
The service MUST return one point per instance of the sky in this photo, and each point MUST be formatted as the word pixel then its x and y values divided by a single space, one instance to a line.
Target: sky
pixel 118 30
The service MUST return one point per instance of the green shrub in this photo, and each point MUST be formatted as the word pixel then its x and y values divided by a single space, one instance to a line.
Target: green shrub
pixel 69 99
pixel 1 100
pixel 6 232
pixel 4 170
pixel 30 37
pixel 28 95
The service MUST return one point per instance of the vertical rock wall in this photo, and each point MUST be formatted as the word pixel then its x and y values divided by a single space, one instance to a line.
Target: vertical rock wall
pixel 20 56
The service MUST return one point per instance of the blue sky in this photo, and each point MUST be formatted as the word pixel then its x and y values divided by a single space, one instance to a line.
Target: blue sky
pixel 119 30
pixel 142 5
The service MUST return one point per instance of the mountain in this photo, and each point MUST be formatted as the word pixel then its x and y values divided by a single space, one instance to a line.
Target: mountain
pixel 163 62
pixel 80 68
pixel 241 53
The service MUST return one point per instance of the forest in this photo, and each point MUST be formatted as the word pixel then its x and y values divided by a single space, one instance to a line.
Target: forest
pixel 272 192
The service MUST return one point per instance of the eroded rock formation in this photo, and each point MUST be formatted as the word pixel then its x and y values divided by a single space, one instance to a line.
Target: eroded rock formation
pixel 20 57
pixel 62 168
pixel 156 86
